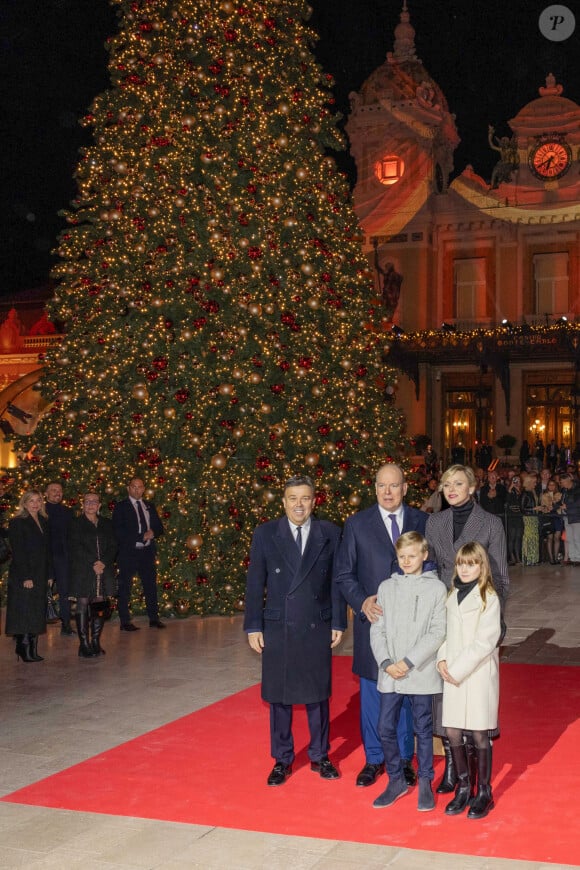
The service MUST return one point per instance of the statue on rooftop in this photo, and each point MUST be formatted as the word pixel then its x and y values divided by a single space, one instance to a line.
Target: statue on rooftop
pixel 509 160
pixel 390 284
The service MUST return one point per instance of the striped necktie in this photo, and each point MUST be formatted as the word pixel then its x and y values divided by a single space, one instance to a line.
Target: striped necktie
pixel 395 531
pixel 299 538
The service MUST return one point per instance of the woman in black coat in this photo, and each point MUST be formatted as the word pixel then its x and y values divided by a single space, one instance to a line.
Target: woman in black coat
pixel 28 575
pixel 92 551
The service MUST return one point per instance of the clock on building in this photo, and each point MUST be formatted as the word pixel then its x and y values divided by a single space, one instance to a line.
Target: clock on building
pixel 550 158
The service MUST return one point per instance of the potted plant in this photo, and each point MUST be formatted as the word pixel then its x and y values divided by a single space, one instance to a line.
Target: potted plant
pixel 506 442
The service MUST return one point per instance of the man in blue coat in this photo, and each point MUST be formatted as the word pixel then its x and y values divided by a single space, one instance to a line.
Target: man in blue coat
pixel 366 557
pixel 137 526
pixel 294 617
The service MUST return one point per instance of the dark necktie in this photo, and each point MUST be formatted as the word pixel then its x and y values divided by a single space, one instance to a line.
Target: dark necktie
pixel 395 531
pixel 141 515
pixel 299 538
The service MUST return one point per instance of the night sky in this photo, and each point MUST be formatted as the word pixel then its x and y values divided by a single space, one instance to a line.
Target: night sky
pixel 488 57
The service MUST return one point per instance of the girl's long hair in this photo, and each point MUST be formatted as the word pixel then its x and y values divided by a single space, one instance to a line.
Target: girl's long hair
pixel 474 554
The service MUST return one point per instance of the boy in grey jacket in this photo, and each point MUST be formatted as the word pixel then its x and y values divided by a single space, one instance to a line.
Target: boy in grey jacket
pixel 405 641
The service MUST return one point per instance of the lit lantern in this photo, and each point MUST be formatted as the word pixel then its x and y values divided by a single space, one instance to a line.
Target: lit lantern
pixel 389 169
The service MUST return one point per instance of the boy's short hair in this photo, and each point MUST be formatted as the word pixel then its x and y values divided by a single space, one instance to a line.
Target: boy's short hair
pixel 407 539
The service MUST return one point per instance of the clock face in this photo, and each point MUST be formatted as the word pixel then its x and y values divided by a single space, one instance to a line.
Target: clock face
pixel 550 159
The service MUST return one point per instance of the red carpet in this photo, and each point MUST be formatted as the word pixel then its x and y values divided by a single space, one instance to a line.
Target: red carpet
pixel 210 768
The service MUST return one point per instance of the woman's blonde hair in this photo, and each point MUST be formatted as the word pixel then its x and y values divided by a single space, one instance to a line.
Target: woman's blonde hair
pixel 22 509
pixel 474 554
pixel 455 469
pixel 529 481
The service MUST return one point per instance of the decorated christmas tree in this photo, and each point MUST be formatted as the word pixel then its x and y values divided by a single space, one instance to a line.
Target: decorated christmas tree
pixel 217 306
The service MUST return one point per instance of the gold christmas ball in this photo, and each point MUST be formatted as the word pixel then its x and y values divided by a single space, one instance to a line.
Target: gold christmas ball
pixel 311 459
pixel 266 409
pixel 255 309
pixel 215 529
pixel 237 373
pixel 255 378
pixel 316 391
pixel 169 413
pixel 307 268
pixel 186 334
pixel 270 308
pixel 238 432
pixel 153 212
pixel 193 542
pixel 182 606
pixel 346 364
pixel 301 173
pixel 219 460
pixel 226 389
pixel 354 499
pixel 139 391
pixel 313 303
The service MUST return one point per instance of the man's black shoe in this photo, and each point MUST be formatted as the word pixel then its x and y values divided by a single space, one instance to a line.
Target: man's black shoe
pixel 279 774
pixel 325 768
pixel 156 623
pixel 128 626
pixel 369 774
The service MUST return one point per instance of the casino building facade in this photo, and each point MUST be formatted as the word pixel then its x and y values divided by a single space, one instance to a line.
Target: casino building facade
pixel 477 284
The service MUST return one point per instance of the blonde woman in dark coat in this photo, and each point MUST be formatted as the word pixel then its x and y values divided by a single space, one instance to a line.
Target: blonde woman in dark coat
pixel 92 551
pixel 28 575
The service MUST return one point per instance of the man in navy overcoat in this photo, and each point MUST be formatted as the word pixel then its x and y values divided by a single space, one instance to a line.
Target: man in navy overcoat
pixel 294 617
pixel 137 525
pixel 366 557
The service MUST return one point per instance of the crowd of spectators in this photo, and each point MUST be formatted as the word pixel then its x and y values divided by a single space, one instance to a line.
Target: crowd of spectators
pixel 537 500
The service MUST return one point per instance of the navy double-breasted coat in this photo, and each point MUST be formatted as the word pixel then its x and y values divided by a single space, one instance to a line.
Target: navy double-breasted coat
pixel 293 601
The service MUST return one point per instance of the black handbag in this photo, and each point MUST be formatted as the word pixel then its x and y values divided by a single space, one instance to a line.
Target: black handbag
pixel 99 608
pixel 51 608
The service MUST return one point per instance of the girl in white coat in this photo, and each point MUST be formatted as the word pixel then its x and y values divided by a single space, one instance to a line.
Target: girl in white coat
pixel 468 661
